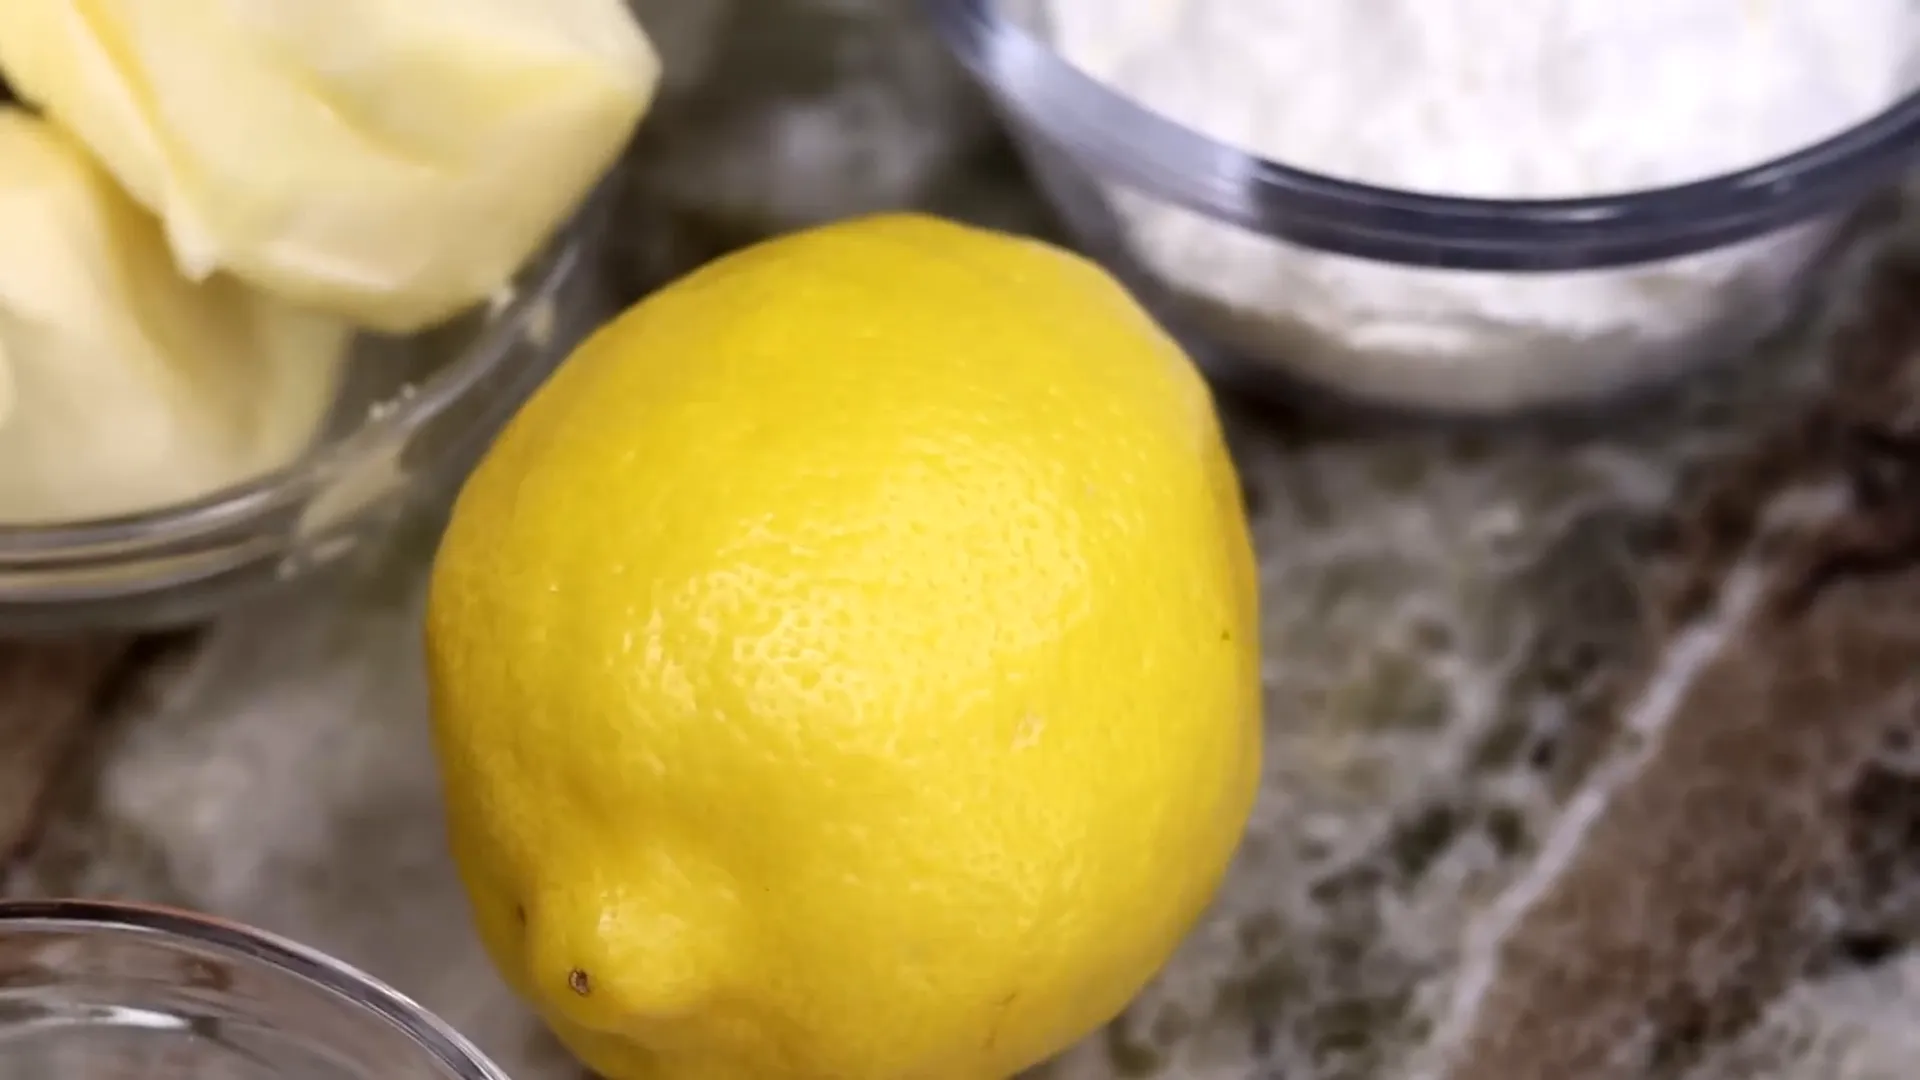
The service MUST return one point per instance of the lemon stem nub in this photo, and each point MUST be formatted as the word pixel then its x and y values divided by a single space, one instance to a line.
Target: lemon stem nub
pixel 578 982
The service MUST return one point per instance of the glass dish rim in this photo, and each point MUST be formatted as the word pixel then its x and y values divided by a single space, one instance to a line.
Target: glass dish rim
pixel 553 265
pixel 308 966
pixel 1176 164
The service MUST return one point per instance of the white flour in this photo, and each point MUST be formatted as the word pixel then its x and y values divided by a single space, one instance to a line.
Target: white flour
pixel 1513 98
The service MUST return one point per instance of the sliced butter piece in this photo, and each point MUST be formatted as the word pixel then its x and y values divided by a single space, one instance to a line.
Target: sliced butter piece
pixel 132 387
pixel 393 161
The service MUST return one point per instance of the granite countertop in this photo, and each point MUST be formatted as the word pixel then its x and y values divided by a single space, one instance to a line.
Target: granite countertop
pixel 1592 754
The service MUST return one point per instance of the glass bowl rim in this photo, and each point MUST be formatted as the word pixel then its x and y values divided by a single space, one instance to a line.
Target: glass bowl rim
pixel 552 266
pixel 1174 163
pixel 311 968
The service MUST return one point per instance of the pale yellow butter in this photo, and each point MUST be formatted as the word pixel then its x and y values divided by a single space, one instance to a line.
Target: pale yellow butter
pixel 393 161
pixel 133 387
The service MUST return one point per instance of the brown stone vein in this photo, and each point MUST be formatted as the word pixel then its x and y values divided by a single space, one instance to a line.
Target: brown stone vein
pixel 1698 894
pixel 1714 875
pixel 48 694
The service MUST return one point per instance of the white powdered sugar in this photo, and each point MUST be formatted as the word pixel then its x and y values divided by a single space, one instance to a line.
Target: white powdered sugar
pixel 1491 98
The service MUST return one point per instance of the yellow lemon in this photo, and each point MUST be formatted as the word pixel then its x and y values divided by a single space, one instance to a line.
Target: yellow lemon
pixel 845 668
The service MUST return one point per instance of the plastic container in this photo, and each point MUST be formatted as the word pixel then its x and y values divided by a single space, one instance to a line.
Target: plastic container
pixel 1767 230
pixel 93 991
pixel 412 416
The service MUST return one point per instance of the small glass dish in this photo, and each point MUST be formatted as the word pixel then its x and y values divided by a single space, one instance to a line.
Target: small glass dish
pixel 1177 215
pixel 97 991
pixel 412 415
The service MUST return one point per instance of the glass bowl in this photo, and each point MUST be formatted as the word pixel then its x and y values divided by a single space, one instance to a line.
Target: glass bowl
pixel 1176 214
pixel 412 415
pixel 95 991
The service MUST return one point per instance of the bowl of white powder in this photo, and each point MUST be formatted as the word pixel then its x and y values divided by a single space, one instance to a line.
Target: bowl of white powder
pixel 1457 207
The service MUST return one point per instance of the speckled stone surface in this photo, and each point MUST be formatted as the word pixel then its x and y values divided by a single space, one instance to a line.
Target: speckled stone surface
pixel 1592 755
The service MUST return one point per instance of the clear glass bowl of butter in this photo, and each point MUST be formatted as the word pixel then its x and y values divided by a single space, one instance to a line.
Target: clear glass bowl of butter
pixel 409 417
pixel 266 281
pixel 93 991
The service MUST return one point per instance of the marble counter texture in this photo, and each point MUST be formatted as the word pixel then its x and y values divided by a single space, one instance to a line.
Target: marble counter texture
pixel 1591 755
